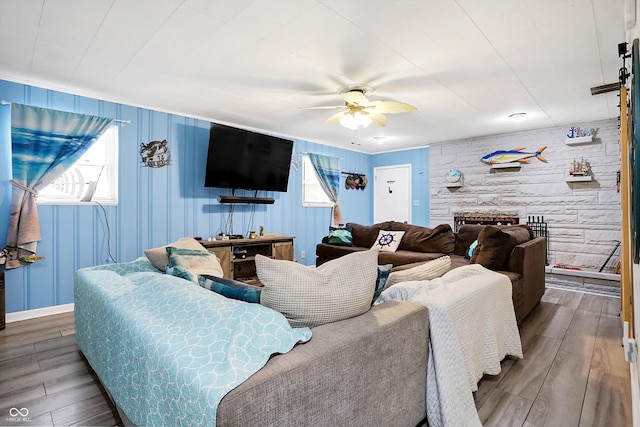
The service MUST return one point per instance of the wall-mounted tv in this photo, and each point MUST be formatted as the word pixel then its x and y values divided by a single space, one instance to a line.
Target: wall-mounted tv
pixel 241 159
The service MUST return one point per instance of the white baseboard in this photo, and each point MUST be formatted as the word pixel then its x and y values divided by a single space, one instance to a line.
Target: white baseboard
pixel 38 312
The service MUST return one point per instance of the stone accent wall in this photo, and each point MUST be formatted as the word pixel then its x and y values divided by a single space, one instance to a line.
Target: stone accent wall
pixel 583 217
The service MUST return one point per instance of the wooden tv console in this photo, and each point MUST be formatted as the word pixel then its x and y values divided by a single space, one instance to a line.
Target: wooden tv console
pixel 237 255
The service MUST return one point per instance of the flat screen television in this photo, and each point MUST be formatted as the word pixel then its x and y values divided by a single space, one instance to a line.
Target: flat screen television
pixel 241 159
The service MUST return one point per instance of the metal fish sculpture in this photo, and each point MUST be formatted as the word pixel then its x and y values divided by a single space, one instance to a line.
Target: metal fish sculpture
pixel 515 155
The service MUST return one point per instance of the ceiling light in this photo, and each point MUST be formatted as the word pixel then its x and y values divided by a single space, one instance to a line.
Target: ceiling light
pixel 355 120
pixel 517 116
pixel 379 139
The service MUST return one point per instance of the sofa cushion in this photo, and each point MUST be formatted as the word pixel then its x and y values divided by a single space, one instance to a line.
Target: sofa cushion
pixel 425 271
pixel 195 261
pixel 366 235
pixel 340 236
pixel 381 281
pixel 158 256
pixel 388 241
pixel 465 236
pixel 440 239
pixel 326 252
pixel 495 244
pixel 310 296
pixel 230 288
pixel 423 239
pixel 458 261
pixel 469 252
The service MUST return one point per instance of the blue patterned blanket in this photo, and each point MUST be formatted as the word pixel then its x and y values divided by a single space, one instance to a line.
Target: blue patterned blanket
pixel 167 349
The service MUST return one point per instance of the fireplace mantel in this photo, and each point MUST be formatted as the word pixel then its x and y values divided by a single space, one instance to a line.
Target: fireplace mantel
pixel 484 219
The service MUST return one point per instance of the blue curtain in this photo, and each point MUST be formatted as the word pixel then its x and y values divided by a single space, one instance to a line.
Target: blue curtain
pixel 328 171
pixel 45 143
pixel 5 169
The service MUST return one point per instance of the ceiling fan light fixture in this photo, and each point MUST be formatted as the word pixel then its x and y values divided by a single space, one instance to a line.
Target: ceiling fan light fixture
pixel 356 120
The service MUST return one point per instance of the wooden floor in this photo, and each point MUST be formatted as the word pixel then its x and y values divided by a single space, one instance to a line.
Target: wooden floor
pixel 573 372
pixel 42 370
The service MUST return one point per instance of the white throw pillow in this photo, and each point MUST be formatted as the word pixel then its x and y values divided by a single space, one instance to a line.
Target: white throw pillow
pixel 388 241
pixel 312 296
pixel 427 271
pixel 159 258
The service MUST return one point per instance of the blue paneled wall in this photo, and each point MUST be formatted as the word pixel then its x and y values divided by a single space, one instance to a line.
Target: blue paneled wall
pixel 159 205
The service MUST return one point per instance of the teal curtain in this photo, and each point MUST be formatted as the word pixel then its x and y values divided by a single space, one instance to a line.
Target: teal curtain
pixel 44 144
pixel 328 172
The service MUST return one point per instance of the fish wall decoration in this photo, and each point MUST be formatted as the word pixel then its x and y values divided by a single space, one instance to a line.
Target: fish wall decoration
pixel 515 155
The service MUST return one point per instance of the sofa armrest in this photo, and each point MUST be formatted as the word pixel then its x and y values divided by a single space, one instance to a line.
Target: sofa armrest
pixel 529 260
pixel 343 376
pixel 530 255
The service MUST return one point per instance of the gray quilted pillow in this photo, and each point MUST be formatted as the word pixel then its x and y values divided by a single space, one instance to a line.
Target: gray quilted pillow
pixel 312 296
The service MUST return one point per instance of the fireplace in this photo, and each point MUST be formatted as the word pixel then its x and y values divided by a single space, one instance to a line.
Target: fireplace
pixel 460 219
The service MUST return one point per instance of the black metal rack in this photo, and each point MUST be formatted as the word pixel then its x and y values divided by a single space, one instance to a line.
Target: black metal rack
pixel 538 227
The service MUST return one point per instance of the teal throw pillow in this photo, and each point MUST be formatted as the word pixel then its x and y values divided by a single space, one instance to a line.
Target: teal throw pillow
pixel 381 281
pixel 340 236
pixel 469 252
pixel 182 272
pixel 195 261
pixel 230 288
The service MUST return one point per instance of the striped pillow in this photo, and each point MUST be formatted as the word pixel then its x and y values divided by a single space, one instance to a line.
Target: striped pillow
pixel 194 261
pixel 427 271
pixel 312 296
pixel 340 236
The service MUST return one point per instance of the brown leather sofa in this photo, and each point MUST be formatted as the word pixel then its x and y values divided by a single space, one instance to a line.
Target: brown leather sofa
pixel 510 250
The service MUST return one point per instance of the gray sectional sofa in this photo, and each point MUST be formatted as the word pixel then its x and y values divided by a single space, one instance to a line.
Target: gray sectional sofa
pixel 369 370
pixel 145 333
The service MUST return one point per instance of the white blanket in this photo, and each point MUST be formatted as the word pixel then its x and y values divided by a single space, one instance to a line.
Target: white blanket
pixel 473 327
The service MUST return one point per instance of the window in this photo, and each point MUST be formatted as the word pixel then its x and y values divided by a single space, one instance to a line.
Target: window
pixel 312 193
pixel 94 177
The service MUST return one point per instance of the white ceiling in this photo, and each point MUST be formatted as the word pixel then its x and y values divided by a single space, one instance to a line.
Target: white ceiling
pixel 465 64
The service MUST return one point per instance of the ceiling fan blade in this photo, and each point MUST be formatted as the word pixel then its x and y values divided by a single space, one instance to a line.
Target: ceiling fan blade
pixel 390 107
pixel 328 107
pixel 378 119
pixel 355 97
pixel 334 118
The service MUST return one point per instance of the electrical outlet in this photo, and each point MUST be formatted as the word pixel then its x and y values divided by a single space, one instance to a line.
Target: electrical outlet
pixel 629 345
pixel 302 254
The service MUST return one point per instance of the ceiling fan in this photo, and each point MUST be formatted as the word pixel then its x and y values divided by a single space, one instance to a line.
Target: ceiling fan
pixel 359 111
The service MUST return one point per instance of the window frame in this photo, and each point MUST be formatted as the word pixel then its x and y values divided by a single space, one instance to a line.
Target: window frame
pixel 310 178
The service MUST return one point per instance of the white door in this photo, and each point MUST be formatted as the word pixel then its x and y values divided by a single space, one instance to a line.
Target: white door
pixel 392 193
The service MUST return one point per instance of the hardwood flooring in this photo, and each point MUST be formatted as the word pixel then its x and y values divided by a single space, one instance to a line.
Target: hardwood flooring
pixel 573 372
pixel 42 370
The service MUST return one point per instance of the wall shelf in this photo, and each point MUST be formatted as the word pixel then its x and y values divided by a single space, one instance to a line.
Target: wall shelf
pixel 453 184
pixel 246 200
pixel 579 178
pixel 512 165
pixel 579 140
